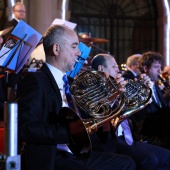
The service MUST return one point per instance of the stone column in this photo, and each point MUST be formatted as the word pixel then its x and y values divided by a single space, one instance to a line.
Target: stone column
pixel 9 9
pixel 41 13
pixel 163 31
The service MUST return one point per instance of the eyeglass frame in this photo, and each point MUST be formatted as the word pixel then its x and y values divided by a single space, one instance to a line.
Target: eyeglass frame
pixel 20 11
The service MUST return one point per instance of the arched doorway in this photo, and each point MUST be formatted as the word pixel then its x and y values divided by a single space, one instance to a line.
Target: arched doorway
pixel 130 26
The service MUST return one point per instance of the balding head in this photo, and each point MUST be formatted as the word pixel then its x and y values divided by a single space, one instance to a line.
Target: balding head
pixel 106 63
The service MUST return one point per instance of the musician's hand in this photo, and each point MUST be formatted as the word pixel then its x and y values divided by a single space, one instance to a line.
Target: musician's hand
pixel 147 80
pixel 120 80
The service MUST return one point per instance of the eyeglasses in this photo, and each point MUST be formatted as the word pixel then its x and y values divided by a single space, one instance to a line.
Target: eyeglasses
pixel 20 11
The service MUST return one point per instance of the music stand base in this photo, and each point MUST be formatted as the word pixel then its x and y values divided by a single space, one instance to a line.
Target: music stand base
pixel 11 163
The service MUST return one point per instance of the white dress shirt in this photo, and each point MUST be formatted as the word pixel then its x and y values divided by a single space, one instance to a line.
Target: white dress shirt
pixel 58 75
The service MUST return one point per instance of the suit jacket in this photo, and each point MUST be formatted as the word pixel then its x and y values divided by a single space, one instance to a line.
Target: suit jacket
pixel 128 75
pixel 39 102
pixel 11 23
pixel 153 119
pixel 153 108
pixel 150 121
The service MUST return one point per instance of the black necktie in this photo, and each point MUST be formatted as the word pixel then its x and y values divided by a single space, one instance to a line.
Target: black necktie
pixel 156 96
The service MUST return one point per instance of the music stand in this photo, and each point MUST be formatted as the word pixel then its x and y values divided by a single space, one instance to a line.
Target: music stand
pixel 18 47
pixel 13 55
pixel 69 24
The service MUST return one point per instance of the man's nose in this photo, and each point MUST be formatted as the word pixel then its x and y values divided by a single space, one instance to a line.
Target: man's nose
pixel 78 53
pixel 117 69
pixel 159 70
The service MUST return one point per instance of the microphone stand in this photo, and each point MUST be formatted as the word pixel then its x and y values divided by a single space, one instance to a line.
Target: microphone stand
pixel 11 160
pixel 14 53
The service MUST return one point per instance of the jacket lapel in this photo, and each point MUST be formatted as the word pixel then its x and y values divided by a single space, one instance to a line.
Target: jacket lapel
pixel 160 95
pixel 46 70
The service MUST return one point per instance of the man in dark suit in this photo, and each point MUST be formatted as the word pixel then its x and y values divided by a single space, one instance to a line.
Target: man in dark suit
pixel 154 119
pixel 132 67
pixel 41 95
pixel 19 13
pixel 146 156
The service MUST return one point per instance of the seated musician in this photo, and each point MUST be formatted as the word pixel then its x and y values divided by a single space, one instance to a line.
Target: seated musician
pixel 132 67
pixel 164 83
pixel 145 155
pixel 154 117
pixel 41 95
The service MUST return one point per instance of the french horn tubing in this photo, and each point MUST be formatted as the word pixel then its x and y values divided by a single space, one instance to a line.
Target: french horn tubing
pixel 136 97
pixel 101 99
pixel 96 95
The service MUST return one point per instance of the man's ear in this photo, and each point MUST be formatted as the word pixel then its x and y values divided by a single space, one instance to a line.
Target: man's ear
pixel 56 49
pixel 100 68
pixel 145 68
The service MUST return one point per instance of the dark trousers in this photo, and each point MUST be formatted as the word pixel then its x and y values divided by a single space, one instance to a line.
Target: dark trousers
pixel 146 156
pixel 96 161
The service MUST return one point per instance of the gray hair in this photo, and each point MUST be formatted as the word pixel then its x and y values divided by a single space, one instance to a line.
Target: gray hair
pixel 54 34
pixel 133 59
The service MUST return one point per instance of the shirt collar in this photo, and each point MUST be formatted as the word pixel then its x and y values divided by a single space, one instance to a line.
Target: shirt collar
pixel 16 19
pixel 57 74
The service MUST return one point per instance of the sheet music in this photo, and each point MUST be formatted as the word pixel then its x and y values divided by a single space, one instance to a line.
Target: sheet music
pixel 7 48
pixel 69 24
pixel 18 47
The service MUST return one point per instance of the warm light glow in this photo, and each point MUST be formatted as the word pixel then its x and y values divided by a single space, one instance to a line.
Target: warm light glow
pixel 167 32
pixel 84 35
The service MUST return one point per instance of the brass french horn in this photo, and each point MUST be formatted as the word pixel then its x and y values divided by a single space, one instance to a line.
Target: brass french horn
pixel 100 98
pixel 95 94
pixel 136 97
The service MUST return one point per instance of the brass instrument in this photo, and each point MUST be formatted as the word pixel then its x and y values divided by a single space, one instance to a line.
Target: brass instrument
pixel 164 79
pixel 136 97
pixel 102 101
pixel 94 93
